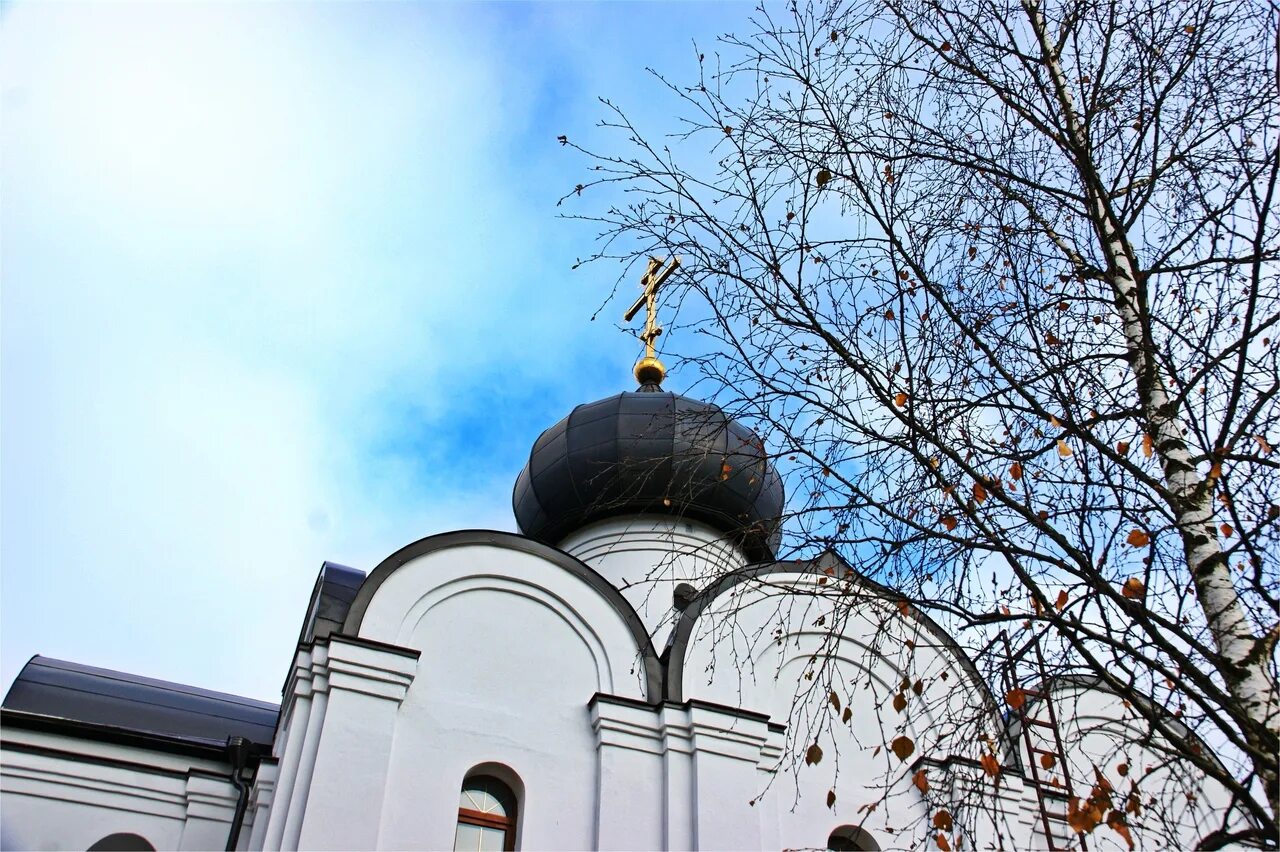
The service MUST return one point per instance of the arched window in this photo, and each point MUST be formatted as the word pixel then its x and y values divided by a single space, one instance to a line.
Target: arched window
pixel 122 842
pixel 486 816
pixel 850 837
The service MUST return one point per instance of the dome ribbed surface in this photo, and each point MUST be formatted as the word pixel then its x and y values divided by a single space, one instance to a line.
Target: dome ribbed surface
pixel 650 452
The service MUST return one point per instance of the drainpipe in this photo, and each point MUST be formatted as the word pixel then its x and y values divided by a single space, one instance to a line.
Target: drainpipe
pixel 238 753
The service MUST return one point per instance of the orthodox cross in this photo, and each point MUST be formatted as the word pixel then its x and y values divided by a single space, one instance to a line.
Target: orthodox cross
pixel 651 281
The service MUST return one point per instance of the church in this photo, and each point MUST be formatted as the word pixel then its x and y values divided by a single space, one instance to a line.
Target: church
pixel 636 669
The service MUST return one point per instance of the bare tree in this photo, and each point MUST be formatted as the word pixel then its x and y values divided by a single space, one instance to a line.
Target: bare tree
pixel 996 279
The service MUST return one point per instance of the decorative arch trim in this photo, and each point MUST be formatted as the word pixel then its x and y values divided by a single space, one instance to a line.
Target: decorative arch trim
pixel 510 541
pixel 678 644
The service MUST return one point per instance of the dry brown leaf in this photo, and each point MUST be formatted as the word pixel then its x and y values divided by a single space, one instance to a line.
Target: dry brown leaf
pixel 920 781
pixel 1047 761
pixel 822 178
pixel 1123 769
pixel 941 840
pixel 1015 471
pixel 1063 449
pixel 1262 443
pixel 1138 538
pixel 889 314
pixel 899 702
pixel 1122 447
pixel 1061 602
pixel 835 700
pixel 831 798
pixel 1227 530
pixel 846 715
pixel 903 747
pixel 1116 822
pixel 1016 698
pixel 950 522
pixel 904 608
pixel 1147 445
pixel 942 820
pixel 1082 817
pixel 1133 588
pixel 979 492
pixel 900 400
pixel 813 754
pixel 990 765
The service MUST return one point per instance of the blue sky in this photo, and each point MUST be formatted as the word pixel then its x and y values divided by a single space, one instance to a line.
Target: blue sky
pixel 282 283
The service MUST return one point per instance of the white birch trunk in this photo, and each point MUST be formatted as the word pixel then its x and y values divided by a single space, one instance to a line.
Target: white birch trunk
pixel 1245 653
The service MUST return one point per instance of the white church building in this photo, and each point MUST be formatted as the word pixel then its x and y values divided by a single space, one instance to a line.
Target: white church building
pixel 621 674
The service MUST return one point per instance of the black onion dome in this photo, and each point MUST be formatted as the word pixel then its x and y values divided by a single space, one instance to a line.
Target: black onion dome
pixel 650 452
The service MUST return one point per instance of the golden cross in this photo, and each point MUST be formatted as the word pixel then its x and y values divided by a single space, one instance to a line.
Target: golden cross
pixel 651 281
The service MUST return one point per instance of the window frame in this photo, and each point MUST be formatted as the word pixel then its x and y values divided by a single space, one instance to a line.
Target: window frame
pixel 506 824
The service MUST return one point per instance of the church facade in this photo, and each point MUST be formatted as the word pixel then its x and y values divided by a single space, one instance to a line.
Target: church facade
pixel 622 674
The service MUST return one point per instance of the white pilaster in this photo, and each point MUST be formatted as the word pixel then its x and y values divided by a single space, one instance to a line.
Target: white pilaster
pixel 366 682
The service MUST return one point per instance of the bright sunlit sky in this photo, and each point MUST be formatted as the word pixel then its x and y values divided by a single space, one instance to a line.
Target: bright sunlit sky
pixel 285 282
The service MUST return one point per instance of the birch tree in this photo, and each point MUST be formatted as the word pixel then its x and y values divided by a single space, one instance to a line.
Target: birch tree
pixel 996 280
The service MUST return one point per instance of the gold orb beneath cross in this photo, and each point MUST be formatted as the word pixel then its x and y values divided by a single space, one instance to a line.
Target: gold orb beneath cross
pixel 649 371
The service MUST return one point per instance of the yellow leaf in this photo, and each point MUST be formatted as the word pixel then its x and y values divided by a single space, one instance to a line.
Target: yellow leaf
pixel 1138 538
pixel 1063 449
pixel 903 747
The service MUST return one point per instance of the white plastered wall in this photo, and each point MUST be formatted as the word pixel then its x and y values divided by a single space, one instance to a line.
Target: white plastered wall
pixel 512 648
pixel 767 641
pixel 647 556
pixel 67 793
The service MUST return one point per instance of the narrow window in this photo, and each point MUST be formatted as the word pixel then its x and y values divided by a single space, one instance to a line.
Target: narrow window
pixel 122 842
pixel 851 837
pixel 486 816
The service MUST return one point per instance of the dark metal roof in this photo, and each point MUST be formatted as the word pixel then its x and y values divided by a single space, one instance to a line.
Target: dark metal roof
pixel 650 451
pixel 335 589
pixel 61 690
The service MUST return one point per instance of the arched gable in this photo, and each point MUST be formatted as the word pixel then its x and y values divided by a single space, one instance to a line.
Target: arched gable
pixel 391 603
pixel 875 670
pixel 827 565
